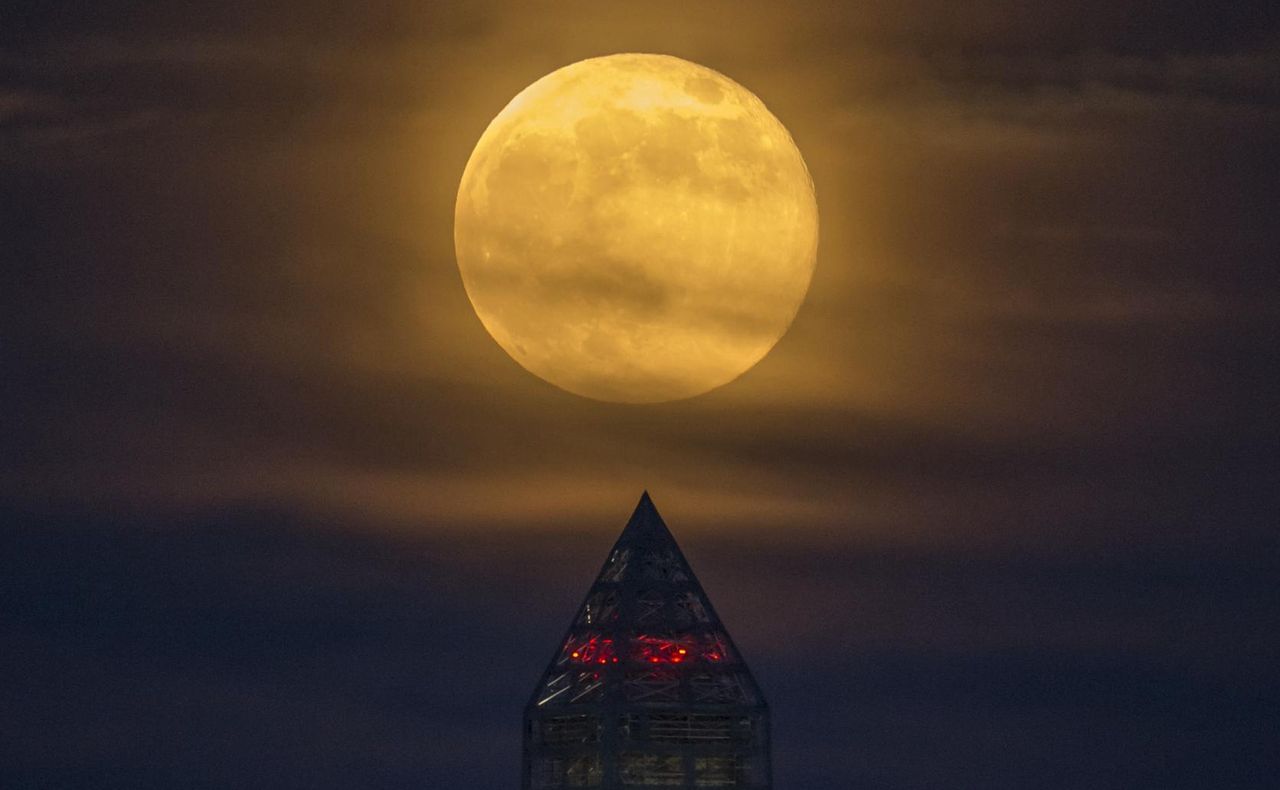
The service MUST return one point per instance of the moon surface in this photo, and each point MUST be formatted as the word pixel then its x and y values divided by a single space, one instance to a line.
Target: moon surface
pixel 636 228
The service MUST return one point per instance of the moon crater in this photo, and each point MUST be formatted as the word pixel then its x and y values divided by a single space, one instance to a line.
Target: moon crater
pixel 636 228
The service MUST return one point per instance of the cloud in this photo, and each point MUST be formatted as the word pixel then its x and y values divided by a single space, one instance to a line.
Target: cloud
pixel 1004 489
pixel 235 272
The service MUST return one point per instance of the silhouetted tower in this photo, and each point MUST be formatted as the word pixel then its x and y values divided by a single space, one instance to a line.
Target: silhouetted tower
pixel 647 688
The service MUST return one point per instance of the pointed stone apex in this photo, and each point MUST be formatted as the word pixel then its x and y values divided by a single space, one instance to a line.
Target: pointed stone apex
pixel 645 525
pixel 645 510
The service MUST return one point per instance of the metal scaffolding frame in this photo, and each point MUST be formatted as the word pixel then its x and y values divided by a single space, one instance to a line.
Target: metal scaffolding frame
pixel 647 688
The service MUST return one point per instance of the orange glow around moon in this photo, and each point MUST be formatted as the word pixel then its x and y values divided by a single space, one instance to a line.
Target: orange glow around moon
pixel 636 228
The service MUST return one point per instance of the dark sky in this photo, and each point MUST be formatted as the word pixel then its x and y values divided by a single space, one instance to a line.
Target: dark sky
pixel 999 511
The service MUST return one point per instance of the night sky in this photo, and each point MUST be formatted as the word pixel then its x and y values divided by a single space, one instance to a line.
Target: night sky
pixel 999 511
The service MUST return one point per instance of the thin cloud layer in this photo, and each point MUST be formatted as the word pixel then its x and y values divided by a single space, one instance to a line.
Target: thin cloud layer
pixel 1043 291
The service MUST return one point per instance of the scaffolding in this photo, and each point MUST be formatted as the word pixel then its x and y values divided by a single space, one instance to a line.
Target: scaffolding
pixel 647 688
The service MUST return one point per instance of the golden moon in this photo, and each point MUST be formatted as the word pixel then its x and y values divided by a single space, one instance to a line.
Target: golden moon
pixel 636 228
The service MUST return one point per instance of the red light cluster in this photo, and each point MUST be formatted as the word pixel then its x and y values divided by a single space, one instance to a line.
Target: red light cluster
pixel 660 650
pixel 591 650
pixel 645 649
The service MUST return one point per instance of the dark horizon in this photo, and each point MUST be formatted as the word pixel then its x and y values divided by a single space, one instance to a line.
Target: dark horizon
pixel 242 649
pixel 998 511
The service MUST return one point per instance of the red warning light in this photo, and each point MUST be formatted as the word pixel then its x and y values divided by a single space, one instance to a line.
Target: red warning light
pixel 660 649
pixel 597 650
pixel 591 650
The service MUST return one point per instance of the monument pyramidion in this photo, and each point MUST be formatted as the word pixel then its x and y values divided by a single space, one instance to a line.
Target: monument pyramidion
pixel 646 688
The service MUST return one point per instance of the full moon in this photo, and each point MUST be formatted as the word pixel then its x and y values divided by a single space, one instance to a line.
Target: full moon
pixel 636 228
